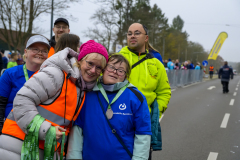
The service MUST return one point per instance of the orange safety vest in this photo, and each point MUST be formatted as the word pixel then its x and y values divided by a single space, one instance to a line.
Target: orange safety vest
pixel 211 68
pixel 51 52
pixel 54 112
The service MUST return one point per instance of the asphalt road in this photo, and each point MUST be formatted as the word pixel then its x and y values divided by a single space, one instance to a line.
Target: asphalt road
pixel 194 127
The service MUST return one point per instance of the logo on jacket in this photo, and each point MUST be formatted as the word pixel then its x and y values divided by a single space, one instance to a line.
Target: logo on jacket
pixel 122 106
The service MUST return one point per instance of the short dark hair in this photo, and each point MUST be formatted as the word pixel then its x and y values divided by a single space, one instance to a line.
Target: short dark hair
pixel 119 58
pixel 13 55
pixel 225 63
pixel 2 51
pixel 67 40
pixel 145 29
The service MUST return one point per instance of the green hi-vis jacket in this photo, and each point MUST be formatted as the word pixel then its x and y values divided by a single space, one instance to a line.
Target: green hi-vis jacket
pixel 150 78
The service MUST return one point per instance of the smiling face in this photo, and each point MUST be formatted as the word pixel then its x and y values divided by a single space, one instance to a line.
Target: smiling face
pixel 59 29
pixel 112 76
pixel 91 67
pixel 36 58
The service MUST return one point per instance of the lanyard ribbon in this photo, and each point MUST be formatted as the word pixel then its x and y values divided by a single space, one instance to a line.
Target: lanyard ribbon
pixel 115 98
pixel 25 72
pixel 30 147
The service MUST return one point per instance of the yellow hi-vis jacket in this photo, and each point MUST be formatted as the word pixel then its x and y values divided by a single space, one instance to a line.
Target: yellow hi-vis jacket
pixel 150 78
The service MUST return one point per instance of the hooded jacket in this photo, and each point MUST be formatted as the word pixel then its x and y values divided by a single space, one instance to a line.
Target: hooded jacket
pixel 150 78
pixel 43 88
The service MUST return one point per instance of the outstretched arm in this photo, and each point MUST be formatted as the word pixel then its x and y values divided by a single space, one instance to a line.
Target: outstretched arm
pixel 41 87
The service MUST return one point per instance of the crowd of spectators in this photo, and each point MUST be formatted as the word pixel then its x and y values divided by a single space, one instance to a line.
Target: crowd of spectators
pixel 176 65
pixel 9 61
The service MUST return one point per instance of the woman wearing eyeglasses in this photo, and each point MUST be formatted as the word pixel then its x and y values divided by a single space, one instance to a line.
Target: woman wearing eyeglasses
pixel 13 79
pixel 48 102
pixel 114 122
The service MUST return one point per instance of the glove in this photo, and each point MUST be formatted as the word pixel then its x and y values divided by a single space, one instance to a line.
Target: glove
pixel 3 103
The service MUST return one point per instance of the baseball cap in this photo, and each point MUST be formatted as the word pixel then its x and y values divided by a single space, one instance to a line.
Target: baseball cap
pixel 37 39
pixel 61 20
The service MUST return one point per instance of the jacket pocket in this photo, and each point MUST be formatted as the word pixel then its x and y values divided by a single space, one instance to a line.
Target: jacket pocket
pixel 153 71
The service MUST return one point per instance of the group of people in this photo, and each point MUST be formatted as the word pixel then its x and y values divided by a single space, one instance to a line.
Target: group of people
pixel 176 65
pixel 82 100
pixel 12 60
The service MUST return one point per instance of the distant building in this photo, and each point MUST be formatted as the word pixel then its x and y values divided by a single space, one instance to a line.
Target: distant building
pixel 4 44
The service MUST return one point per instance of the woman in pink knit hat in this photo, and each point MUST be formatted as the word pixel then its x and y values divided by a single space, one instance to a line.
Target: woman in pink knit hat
pixel 44 108
pixel 92 60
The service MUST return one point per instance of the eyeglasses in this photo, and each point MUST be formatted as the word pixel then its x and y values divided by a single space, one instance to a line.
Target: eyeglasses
pixel 90 65
pixel 63 27
pixel 119 72
pixel 36 51
pixel 136 34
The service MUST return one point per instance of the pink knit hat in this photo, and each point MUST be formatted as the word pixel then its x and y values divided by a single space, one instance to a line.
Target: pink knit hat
pixel 92 47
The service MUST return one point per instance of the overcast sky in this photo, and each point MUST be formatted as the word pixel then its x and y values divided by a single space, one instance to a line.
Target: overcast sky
pixel 203 21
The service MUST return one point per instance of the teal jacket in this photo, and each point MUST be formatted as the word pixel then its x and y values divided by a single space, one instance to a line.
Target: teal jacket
pixel 156 139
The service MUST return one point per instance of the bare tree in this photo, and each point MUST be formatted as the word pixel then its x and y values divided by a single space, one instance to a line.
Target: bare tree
pixel 17 18
pixel 121 11
pixel 106 20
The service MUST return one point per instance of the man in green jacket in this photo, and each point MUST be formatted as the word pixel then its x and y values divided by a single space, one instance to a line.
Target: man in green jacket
pixel 149 76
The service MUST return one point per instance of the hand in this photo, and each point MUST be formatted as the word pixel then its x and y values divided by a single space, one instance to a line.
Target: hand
pixel 59 131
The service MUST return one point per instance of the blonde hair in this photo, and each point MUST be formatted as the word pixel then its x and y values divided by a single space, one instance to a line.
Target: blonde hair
pixel 24 58
pixel 150 47
pixel 92 56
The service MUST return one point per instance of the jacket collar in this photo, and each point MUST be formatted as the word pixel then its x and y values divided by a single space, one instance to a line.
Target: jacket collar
pixel 112 87
pixel 137 53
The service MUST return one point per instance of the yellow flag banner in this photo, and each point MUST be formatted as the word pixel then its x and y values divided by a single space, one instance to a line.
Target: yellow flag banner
pixel 217 45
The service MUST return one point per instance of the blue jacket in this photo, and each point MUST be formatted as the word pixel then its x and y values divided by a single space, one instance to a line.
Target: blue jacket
pixel 225 72
pixel 11 82
pixel 197 67
pixel 170 65
pixel 130 117
pixel 156 55
pixel 190 66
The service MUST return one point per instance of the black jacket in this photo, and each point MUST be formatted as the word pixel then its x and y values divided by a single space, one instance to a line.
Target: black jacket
pixel 225 72
pixel 52 42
